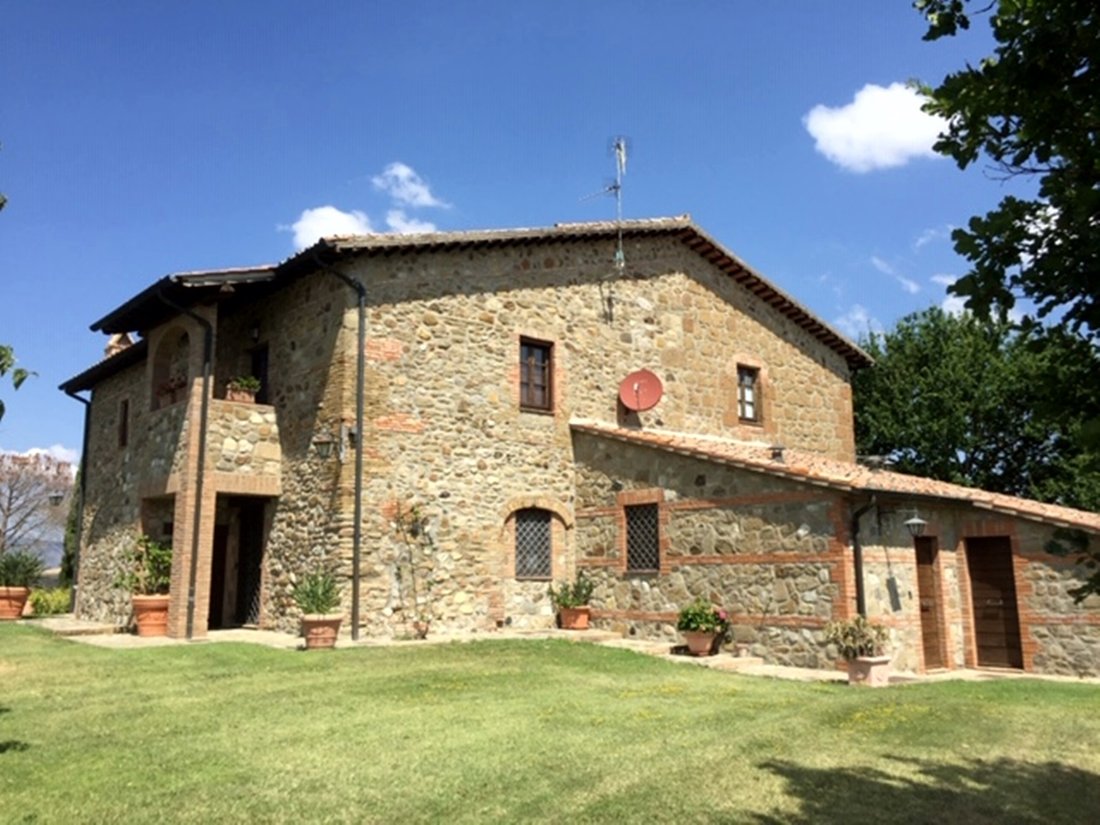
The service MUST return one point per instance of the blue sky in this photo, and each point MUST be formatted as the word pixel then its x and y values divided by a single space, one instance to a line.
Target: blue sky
pixel 141 139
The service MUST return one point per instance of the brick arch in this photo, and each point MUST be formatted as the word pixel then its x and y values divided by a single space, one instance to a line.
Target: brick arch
pixel 170 361
pixel 541 502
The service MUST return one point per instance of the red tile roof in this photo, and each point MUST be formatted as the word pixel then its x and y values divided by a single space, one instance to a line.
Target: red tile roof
pixel 811 468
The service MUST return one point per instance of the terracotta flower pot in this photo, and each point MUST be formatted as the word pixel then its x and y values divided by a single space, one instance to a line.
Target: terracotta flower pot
pixel 699 642
pixel 575 618
pixel 244 396
pixel 12 601
pixel 320 630
pixel 869 671
pixel 151 614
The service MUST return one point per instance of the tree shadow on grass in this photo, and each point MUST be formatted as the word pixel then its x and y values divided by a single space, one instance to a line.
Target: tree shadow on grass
pixel 11 744
pixel 975 791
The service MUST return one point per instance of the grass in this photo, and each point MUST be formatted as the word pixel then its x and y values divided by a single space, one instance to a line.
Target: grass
pixel 517 731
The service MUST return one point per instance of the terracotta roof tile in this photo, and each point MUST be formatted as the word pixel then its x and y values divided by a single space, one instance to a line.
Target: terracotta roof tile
pixel 811 468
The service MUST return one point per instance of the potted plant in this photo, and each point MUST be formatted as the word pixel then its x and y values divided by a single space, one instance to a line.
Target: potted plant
pixel 20 570
pixel 571 600
pixel 148 577
pixel 318 599
pixel 862 644
pixel 242 388
pixel 172 390
pixel 702 624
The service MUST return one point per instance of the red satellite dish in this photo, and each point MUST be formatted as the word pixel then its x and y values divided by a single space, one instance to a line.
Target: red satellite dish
pixel 641 390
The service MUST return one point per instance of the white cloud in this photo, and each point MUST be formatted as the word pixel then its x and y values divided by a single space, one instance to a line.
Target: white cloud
pixel 882 266
pixel 857 321
pixel 325 221
pixel 399 222
pixel 881 128
pixel 908 284
pixel 406 187
pixel 953 305
pixel 936 233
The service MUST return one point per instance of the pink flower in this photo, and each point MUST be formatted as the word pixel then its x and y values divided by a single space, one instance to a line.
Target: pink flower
pixel 722 615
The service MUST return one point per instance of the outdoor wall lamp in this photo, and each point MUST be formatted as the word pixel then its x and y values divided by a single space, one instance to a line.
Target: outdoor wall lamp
pixel 322 443
pixel 916 526
pixel 55 498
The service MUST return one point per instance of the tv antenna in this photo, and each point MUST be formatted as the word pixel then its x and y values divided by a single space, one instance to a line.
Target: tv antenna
pixel 619 148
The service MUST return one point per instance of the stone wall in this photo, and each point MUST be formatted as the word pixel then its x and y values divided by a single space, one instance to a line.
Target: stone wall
pixel 444 426
pixel 765 549
pixel 244 438
pixel 1058 635
pixel 119 477
pixel 444 430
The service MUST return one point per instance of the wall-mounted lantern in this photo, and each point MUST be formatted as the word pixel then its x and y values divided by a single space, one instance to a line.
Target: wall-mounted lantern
pixel 916 526
pixel 322 443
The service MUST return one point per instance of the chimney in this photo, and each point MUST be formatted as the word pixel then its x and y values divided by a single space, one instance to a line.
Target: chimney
pixel 117 343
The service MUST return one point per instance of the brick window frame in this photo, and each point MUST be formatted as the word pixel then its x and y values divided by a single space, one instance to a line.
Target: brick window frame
pixel 764 426
pixel 639 498
pixel 536 375
pixel 561 523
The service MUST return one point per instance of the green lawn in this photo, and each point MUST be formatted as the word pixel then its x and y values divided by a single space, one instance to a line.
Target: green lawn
pixel 516 731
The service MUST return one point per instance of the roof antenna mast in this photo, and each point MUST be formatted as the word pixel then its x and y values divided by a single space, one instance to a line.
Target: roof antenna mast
pixel 619 147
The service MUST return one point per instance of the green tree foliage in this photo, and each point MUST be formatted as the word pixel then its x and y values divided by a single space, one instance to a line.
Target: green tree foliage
pixel 975 403
pixel 7 364
pixel 72 537
pixel 1032 109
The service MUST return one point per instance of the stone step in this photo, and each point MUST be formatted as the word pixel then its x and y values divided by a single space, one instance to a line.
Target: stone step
pixel 66 625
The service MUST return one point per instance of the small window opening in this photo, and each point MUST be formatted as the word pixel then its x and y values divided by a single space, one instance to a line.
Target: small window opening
pixel 536 370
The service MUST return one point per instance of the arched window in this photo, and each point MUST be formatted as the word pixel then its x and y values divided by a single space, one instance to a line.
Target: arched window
pixel 533 543
pixel 170 371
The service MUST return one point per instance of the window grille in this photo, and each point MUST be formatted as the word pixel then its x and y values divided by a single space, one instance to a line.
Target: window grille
pixel 532 544
pixel 748 381
pixel 536 369
pixel 642 538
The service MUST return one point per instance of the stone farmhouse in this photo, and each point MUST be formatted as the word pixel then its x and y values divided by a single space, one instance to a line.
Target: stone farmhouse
pixel 676 426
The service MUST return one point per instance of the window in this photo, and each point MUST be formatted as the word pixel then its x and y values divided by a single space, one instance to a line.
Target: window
pixel 748 393
pixel 123 422
pixel 642 538
pixel 532 543
pixel 536 369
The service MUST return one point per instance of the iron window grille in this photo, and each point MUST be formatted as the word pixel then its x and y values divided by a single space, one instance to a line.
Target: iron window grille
pixel 748 389
pixel 536 371
pixel 643 548
pixel 532 544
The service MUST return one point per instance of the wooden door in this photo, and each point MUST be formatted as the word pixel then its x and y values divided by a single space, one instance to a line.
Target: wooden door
pixel 993 593
pixel 931 608
pixel 216 616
